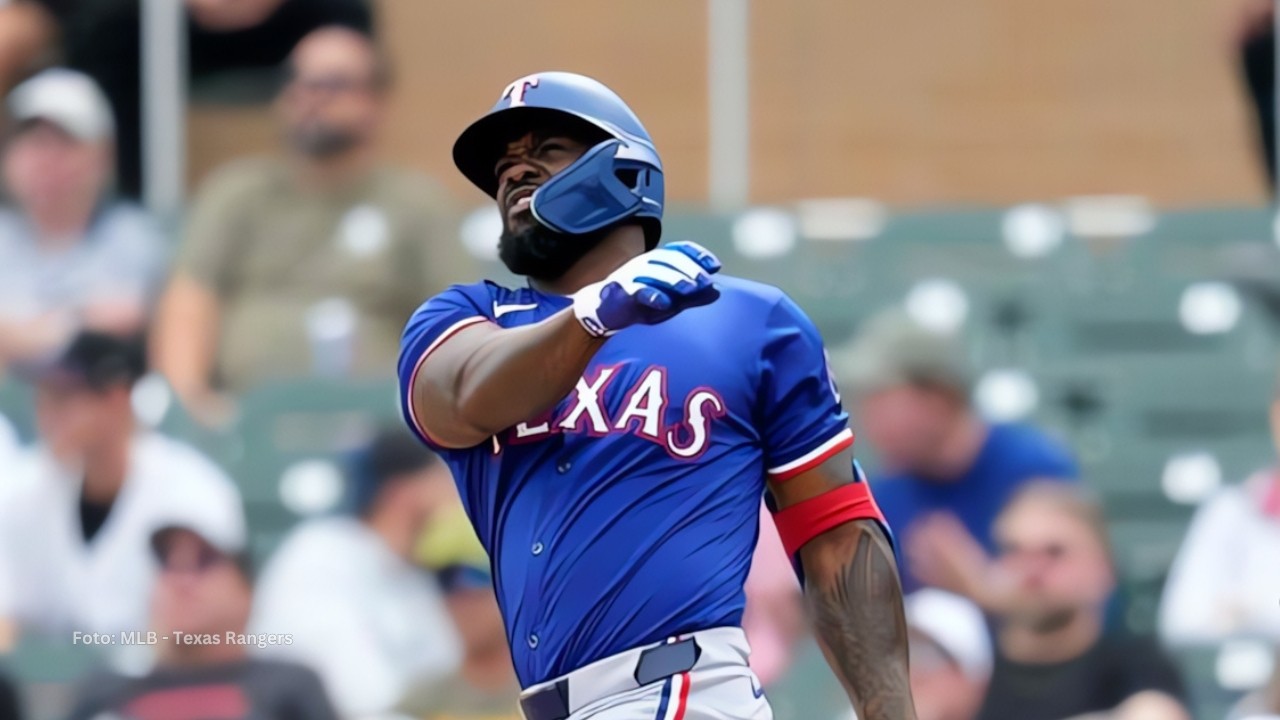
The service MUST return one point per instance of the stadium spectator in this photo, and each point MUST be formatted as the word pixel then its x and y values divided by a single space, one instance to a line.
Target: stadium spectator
pixel 910 396
pixel 104 39
pixel 1047 592
pixel 1224 581
pixel 950 655
pixel 10 702
pixel 204 591
pixel 361 612
pixel 75 520
pixel 309 263
pixel 774 616
pixel 70 254
pixel 485 686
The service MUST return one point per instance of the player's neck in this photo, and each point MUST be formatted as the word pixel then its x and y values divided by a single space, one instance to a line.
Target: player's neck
pixel 619 246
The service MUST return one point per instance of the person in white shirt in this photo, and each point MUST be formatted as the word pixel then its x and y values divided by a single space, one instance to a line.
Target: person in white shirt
pixel 1225 581
pixel 76 518
pixel 361 613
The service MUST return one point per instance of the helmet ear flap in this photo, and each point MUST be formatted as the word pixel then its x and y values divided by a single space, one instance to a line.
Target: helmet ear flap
pixel 597 190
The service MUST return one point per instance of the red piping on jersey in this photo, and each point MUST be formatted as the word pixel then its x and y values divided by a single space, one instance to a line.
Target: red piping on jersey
pixel 813 458
pixel 413 377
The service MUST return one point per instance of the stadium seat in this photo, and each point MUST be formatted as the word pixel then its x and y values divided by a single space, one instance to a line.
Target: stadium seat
pixel 297 421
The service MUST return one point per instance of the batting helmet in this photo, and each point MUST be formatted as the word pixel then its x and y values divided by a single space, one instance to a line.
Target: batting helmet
pixel 618 179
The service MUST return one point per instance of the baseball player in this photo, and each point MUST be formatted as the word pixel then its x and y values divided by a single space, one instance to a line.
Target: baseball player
pixel 613 425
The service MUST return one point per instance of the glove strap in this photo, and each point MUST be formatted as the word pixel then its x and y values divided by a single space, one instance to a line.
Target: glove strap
pixel 586 308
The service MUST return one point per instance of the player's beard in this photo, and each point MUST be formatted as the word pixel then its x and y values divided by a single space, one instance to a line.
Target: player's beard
pixel 536 251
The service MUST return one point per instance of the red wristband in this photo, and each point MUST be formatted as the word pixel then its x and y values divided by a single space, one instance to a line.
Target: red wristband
pixel 802 522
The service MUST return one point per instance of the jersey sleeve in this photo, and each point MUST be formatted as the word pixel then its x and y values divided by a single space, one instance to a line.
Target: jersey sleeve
pixel 434 322
pixel 802 421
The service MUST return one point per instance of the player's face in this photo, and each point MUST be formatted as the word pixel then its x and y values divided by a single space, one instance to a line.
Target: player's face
pixel 529 161
pixel 527 247
pixel 199 589
pixel 1058 563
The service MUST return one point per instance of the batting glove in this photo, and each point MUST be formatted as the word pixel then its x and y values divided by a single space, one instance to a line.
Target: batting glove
pixel 648 289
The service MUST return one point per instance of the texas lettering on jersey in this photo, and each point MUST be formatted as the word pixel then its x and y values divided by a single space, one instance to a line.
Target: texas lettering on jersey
pixel 627 513
pixel 642 413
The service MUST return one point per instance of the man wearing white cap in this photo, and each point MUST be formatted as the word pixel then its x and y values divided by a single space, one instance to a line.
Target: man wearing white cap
pixel 950 655
pixel 70 255
pixel 202 666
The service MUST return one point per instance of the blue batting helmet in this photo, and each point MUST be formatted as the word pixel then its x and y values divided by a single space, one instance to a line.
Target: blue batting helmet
pixel 618 179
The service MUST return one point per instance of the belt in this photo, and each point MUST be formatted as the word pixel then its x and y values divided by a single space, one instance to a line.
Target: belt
pixel 655 664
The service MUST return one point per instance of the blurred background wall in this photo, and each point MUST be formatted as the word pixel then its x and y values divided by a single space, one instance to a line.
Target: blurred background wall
pixel 989 101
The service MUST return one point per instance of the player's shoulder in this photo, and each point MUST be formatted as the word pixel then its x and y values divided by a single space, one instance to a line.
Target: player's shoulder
pixel 760 300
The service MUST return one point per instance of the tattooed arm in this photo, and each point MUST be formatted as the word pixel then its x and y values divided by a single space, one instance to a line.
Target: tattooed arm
pixel 855 600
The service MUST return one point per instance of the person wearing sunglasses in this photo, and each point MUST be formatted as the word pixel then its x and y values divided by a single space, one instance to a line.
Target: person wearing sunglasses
pixel 951 654
pixel 1046 591
pixel 306 261
pixel 200 610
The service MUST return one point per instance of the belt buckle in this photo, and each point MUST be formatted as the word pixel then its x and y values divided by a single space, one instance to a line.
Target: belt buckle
pixel 663 661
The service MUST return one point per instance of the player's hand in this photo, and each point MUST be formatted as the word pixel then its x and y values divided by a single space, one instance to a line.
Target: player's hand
pixel 648 289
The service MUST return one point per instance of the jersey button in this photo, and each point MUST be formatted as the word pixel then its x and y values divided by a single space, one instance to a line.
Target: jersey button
pixel 538 548
pixel 533 642
pixel 564 467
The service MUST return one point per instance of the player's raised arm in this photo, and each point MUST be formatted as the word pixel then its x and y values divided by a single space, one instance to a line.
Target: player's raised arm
pixel 827 518
pixel 851 584
pixel 469 379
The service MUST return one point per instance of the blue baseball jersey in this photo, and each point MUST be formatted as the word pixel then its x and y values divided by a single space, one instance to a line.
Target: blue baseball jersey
pixel 628 513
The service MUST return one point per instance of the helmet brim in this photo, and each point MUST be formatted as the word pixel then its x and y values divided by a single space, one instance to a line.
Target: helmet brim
pixel 480 146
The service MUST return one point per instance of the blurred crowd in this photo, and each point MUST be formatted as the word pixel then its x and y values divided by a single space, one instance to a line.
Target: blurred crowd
pixel 302 263
pixel 306 263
